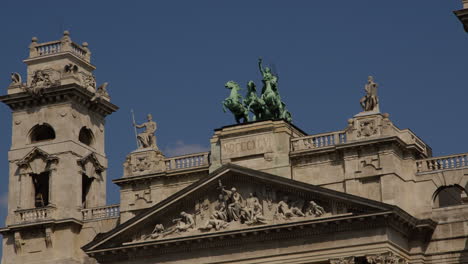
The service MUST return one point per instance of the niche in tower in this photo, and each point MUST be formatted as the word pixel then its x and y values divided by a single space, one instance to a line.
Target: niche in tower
pixel 86 183
pixel 41 189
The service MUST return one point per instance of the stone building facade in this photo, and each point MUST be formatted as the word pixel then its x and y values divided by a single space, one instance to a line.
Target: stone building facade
pixel 267 192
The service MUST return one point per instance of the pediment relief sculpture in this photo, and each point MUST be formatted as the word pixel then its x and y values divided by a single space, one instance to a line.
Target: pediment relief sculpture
pixel 37 161
pixel 238 207
pixel 235 201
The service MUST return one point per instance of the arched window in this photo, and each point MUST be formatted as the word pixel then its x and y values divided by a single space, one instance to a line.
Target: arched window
pixel 449 196
pixel 41 133
pixel 86 136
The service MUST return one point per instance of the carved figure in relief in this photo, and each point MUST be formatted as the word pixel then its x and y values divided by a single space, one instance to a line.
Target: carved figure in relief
pixel 217 224
pixel 147 138
pixel 235 202
pixel 40 79
pixel 313 209
pixel 182 224
pixel 102 89
pixel 157 231
pixel 220 209
pixel 15 79
pixel 256 214
pixel 285 211
pixel 370 101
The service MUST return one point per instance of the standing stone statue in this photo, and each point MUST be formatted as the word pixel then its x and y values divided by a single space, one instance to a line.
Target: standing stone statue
pixel 370 101
pixel 147 138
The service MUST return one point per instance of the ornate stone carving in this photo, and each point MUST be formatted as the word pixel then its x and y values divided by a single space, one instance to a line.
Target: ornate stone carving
pixel 16 79
pixel 213 223
pixel 346 260
pixel 370 101
pixel 314 209
pixel 70 68
pixel 89 81
pixel 37 161
pixel 42 79
pixel 231 210
pixel 18 242
pixel 367 128
pixel 48 237
pixel 101 92
pixel 287 209
pixel 182 224
pixel 91 166
pixel 144 161
pixel 386 258
pixel 147 139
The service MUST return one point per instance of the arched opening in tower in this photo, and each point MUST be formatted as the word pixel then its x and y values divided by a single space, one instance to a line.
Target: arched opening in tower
pixel 86 136
pixel 41 133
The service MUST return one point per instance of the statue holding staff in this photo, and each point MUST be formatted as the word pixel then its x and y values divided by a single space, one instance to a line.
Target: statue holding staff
pixel 370 101
pixel 147 139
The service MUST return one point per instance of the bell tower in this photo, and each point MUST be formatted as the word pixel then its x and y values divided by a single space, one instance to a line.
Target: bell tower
pixel 57 162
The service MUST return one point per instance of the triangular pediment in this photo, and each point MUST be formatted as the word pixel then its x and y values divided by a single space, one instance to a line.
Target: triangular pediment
pixel 91 166
pixel 234 200
pixel 36 161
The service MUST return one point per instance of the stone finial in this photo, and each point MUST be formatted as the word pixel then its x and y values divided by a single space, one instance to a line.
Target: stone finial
pixel 34 39
pixel 84 44
pixel 66 33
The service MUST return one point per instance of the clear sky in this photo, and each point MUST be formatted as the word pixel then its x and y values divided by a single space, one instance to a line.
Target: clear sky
pixel 172 58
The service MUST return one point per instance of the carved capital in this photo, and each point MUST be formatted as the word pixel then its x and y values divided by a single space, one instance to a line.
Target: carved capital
pixel 346 260
pixel 386 258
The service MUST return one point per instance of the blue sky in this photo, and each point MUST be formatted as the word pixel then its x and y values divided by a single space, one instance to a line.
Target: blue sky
pixel 172 58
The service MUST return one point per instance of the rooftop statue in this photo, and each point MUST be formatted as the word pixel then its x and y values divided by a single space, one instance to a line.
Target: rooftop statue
pixel 147 139
pixel 370 101
pixel 266 106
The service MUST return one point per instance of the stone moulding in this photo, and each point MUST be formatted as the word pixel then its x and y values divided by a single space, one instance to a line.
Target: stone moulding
pixel 60 94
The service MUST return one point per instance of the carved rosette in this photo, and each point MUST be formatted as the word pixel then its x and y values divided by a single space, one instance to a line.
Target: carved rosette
pixel 386 258
pixel 346 260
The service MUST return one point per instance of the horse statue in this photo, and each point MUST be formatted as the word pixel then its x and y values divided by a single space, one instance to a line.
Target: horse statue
pixel 253 103
pixel 234 103
pixel 285 114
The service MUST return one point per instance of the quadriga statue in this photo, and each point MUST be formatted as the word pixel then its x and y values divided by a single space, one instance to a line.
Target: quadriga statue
pixel 264 107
